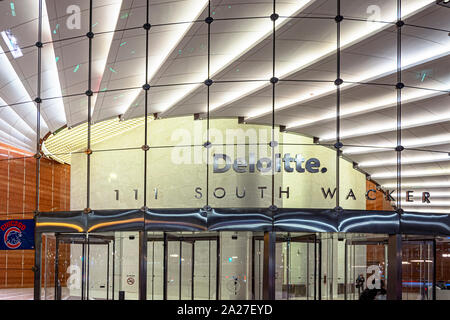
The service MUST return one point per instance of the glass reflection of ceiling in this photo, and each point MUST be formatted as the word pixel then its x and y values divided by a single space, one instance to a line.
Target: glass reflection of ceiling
pixel 241 56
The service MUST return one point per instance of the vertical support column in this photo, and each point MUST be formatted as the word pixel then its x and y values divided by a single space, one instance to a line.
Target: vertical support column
pixel 107 275
pixel 37 236
pixel 142 265
pixel 218 276
pixel 57 268
pixel 345 268
pixel 165 265
pixel 208 82
pixel 269 266
pixel 193 271
pixel 37 265
pixel 394 285
pixel 319 278
pixel 145 148
pixel 399 86
pixel 434 269
pixel 113 267
pixel 338 146
pixel 83 268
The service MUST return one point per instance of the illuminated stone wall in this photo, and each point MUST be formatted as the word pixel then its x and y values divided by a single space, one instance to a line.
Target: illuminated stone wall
pixel 177 171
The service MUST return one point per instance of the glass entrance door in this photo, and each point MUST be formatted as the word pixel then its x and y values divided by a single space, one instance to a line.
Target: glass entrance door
pixel 191 269
pixel 297 273
pixel 297 276
pixel 418 269
pixel 83 267
pixel 366 259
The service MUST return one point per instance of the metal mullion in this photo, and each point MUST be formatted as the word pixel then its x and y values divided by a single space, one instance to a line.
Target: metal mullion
pixel 143 235
pixel 107 275
pixel 146 108
pixel 338 100
pixel 88 152
pixel 88 149
pixel 399 103
pixel 37 256
pixel 208 106
pixel 272 144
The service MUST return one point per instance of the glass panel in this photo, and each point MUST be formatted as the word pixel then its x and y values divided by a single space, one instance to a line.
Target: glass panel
pixel 119 184
pixel 442 269
pixel 258 267
pixel 173 270
pixel 177 155
pixel 100 272
pixel 48 252
pixel 417 270
pixel 69 267
pixel 126 265
pixel 296 266
pixel 205 269
pixel 366 267
pixel 302 267
pixel 235 265
pixel 155 266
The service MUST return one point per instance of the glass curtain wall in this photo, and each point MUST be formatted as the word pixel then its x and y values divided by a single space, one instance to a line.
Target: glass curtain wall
pixel 105 68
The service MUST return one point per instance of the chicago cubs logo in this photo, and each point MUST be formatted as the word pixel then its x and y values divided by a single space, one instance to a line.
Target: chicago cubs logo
pixel 13 238
pixel 13 233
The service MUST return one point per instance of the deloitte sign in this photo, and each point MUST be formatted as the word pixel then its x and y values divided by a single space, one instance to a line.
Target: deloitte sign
pixel 222 163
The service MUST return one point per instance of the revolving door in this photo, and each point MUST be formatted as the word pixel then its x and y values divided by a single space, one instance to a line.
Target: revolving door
pixel 182 266
pixel 80 267
pixel 298 264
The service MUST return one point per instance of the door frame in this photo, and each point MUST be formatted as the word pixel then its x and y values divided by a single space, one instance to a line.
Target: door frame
pixel 85 241
pixel 306 238
pixel 166 237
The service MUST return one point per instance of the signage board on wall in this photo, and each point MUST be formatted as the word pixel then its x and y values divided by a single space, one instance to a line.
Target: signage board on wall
pixel 17 234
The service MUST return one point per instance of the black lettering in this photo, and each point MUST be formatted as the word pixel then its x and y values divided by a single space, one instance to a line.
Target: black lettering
pixel 409 196
pixel 286 192
pixel 389 195
pixel 199 195
pixel 223 192
pixel 325 195
pixel 367 194
pixel 351 195
pixel 425 197
pixel 237 193
pixel 262 191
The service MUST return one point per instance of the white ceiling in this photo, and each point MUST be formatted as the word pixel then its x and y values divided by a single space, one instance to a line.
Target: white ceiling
pixel 241 49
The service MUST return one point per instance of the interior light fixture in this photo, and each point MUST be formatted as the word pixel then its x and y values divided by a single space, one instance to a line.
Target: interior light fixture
pixel 411 174
pixel 179 33
pixel 313 58
pixel 438 157
pixel 444 3
pixel 408 97
pixel 419 184
pixel 240 47
pixel 11 42
pixel 388 126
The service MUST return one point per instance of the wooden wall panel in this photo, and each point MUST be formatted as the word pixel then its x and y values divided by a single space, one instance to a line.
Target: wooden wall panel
pixel 45 186
pixel 380 203
pixel 18 201
pixel 30 185
pixel 4 155
pixel 16 183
